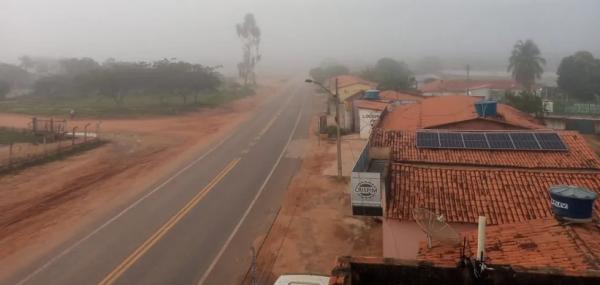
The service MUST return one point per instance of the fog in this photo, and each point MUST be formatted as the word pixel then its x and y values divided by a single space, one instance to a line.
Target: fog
pixel 296 34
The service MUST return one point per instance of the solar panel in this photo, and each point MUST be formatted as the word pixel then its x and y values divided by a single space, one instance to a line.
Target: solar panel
pixel 451 140
pixel 428 140
pixel 475 140
pixel 524 141
pixel 550 141
pixel 499 141
pixel 491 140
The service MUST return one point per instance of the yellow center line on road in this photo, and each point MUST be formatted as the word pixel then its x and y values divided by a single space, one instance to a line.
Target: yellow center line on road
pixel 140 251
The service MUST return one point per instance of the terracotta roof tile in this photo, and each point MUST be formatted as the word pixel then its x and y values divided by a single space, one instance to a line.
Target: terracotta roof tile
pixel 443 110
pixel 392 95
pixel 462 194
pixel 537 244
pixel 403 146
pixel 371 104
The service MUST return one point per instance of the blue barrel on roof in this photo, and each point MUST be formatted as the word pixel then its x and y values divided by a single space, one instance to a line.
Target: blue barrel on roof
pixel 371 95
pixel 486 108
pixel 572 202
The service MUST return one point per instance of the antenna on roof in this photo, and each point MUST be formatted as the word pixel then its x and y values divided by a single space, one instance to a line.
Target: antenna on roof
pixel 435 227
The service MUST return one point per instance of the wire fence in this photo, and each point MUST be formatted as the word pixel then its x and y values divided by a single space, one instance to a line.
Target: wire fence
pixel 44 144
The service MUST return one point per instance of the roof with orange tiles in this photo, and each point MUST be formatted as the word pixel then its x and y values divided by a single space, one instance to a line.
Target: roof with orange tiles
pixel 371 104
pixel 463 194
pixel 461 85
pixel 393 95
pixel 444 110
pixel 542 244
pixel 404 149
pixel 348 79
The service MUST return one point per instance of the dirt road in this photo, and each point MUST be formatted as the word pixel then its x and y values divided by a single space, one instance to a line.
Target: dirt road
pixel 46 205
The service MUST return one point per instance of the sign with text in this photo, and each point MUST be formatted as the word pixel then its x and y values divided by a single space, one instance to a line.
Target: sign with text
pixel 366 189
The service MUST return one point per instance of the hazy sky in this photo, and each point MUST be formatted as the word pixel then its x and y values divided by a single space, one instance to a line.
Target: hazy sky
pixel 294 32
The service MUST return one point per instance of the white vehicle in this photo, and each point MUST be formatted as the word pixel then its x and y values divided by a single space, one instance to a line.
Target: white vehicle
pixel 302 279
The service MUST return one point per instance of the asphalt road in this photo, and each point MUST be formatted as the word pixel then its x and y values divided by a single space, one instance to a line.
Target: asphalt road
pixel 198 226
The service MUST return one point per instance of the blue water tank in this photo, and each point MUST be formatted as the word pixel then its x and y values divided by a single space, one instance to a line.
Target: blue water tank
pixel 486 108
pixel 572 202
pixel 371 95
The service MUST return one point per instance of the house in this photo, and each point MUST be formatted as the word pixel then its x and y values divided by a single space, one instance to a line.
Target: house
pixel 366 112
pixel 456 112
pixel 506 180
pixel 486 89
pixel 350 87
pixel 543 245
pixel 391 271
pixel 366 115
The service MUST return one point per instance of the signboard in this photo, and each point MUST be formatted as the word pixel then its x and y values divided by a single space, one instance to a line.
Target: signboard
pixel 367 120
pixel 366 189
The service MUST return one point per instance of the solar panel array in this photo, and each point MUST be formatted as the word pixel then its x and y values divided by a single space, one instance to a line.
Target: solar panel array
pixel 491 140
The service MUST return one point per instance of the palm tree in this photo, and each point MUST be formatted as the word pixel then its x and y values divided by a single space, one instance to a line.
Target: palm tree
pixel 526 63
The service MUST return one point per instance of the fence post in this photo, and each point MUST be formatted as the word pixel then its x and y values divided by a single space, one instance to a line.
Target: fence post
pixel 45 149
pixel 98 130
pixel 34 126
pixel 73 136
pixel 85 128
pixel 10 154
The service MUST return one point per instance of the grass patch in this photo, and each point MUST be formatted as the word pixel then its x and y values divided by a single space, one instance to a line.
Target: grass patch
pixel 132 105
pixel 10 135
pixel 53 156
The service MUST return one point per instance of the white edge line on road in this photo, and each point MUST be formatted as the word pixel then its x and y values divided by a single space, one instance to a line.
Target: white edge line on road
pixel 124 211
pixel 262 187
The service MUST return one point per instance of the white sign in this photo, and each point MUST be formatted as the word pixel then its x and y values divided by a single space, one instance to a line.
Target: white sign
pixel 559 204
pixel 367 120
pixel 366 189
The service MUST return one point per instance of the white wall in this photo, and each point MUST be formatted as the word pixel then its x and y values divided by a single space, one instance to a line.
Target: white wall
pixel 366 119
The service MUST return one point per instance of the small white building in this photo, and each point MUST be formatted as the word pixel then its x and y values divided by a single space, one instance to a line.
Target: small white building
pixel 367 114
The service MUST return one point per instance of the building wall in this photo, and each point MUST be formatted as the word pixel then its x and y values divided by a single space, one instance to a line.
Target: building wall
pixel 401 239
pixel 557 124
pixel 350 90
pixel 478 124
pixel 366 121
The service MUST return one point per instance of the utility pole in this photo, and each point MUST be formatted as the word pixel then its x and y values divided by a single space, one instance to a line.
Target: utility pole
pixel 468 78
pixel 336 100
pixel 338 138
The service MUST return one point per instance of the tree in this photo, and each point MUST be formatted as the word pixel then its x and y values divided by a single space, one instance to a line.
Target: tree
pixel 390 74
pixel 4 89
pixel 524 101
pixel 15 76
pixel 526 63
pixel 328 70
pixel 579 76
pixel 249 33
pixel 76 66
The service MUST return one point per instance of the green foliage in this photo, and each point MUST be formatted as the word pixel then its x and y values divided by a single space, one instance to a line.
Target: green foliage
pixel 326 71
pixel 526 63
pixel 15 76
pixel 249 32
pixel 579 76
pixel 4 89
pixel 10 135
pixel 390 74
pixel 525 101
pixel 118 80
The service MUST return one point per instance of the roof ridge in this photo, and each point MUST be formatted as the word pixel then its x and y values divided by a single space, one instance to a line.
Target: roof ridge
pixel 465 166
